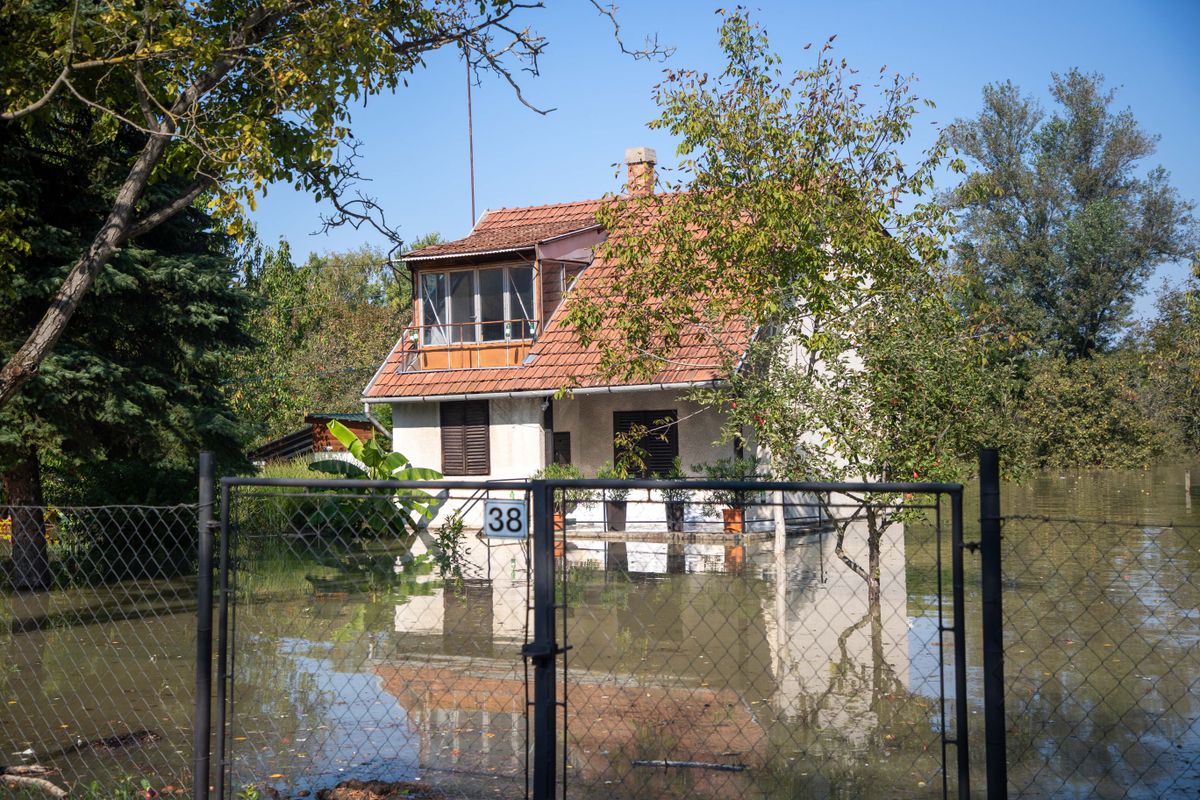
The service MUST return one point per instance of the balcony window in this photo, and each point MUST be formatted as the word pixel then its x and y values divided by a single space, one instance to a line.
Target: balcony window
pixel 492 304
pixel 433 307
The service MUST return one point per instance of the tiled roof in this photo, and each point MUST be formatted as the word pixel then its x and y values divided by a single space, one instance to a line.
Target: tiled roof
pixel 516 228
pixel 557 360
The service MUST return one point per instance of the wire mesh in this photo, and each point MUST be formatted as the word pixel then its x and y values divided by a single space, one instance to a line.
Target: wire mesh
pixel 97 668
pixel 728 644
pixel 1102 658
pixel 370 642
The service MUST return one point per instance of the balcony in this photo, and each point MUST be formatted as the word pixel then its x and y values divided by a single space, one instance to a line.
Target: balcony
pixel 466 345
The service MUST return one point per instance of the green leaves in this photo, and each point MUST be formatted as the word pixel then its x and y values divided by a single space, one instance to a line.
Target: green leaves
pixel 792 202
pixel 381 465
pixel 1058 228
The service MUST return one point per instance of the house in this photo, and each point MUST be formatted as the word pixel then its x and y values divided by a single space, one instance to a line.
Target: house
pixel 314 437
pixel 474 383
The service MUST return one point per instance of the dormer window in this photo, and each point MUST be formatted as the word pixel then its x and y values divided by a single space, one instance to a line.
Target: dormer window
pixel 477 304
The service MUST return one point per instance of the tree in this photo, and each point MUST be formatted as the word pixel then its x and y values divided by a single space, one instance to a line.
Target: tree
pixel 1089 413
pixel 1170 350
pixel 225 98
pixel 814 276
pixel 321 330
pixel 1059 226
pixel 132 391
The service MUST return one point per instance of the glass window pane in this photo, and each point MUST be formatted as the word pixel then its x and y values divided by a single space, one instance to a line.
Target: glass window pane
pixel 433 307
pixel 491 303
pixel 520 301
pixel 462 306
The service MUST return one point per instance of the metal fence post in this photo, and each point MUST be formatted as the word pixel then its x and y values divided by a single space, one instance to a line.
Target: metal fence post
pixel 993 624
pixel 201 739
pixel 961 719
pixel 542 649
pixel 222 642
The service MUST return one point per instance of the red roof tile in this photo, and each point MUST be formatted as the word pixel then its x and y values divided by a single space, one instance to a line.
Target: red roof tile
pixel 516 228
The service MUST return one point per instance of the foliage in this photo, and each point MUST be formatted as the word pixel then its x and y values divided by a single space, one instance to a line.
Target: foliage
pixel 378 464
pixel 801 189
pixel 815 276
pixel 676 473
pixel 1087 413
pixel 1059 227
pixel 617 473
pixel 321 329
pixel 448 552
pixel 1170 350
pixel 730 469
pixel 573 496
pixel 118 413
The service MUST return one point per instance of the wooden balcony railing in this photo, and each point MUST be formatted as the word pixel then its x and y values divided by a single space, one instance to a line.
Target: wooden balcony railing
pixel 467 345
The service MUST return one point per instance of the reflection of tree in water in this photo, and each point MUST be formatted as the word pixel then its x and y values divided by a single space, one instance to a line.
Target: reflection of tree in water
pixel 865 732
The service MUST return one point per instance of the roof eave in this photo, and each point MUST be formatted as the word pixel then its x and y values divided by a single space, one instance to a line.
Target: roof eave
pixel 617 389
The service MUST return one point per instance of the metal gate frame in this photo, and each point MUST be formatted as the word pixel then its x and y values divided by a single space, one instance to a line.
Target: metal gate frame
pixel 542 651
pixel 546 647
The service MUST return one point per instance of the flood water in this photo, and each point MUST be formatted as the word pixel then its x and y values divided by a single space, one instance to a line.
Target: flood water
pixel 749 674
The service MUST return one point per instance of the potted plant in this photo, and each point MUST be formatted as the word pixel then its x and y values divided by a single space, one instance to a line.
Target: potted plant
pixel 732 502
pixel 614 499
pixel 675 500
pixel 572 497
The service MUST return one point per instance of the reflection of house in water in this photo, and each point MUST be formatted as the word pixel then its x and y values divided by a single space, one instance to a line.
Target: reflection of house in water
pixel 672 657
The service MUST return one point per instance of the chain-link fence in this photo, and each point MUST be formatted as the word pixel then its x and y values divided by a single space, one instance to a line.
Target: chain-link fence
pixel 1102 658
pixel 706 641
pixel 97 643
pixel 729 643
pixel 373 635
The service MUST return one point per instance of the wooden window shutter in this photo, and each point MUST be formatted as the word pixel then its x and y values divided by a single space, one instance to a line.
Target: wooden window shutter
pixel 476 436
pixel 465 434
pixel 660 446
pixel 453 441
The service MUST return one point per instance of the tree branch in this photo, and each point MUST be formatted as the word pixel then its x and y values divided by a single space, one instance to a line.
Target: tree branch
pixel 23 782
pixel 651 50
pixel 9 116
pixel 185 199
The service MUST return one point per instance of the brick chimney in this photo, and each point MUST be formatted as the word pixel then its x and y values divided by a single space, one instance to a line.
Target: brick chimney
pixel 640 161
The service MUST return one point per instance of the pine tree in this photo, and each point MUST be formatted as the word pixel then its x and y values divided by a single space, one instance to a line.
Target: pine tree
pixel 132 391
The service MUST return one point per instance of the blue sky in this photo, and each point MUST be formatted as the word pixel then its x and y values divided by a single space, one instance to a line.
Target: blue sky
pixel 415 142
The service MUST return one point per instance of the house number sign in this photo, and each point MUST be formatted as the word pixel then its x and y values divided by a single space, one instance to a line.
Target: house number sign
pixel 505 519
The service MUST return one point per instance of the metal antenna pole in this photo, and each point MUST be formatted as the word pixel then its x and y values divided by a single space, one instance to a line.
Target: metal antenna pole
pixel 470 133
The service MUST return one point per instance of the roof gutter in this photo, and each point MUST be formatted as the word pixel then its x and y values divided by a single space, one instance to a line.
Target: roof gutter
pixel 640 387
pixel 466 254
pixel 376 424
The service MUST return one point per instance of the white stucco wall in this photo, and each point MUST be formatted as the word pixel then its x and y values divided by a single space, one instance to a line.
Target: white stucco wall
pixel 517 441
pixel 589 420
pixel 515 436
pixel 517 447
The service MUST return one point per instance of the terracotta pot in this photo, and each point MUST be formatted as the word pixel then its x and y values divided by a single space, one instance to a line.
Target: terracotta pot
pixel 560 526
pixel 734 519
pixel 614 513
pixel 735 557
pixel 675 516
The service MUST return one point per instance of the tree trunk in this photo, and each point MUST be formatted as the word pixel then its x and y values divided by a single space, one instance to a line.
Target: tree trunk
pixel 23 490
pixel 874 540
pixel 30 355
